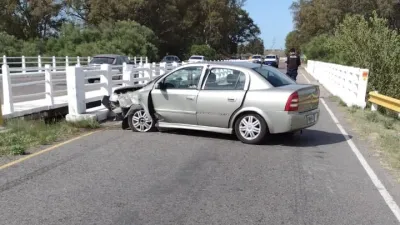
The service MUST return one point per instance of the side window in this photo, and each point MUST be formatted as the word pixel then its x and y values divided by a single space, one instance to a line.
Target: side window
pixel 118 61
pixel 225 79
pixel 186 78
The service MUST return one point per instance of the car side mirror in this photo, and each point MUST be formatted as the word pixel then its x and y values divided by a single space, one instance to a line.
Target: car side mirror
pixel 161 86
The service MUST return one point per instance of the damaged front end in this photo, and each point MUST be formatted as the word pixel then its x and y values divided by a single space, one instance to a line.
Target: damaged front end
pixel 121 100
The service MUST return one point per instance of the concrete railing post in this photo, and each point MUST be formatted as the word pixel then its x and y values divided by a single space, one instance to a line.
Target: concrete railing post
pixel 78 61
pixel 4 60
pixel 48 85
pixel 362 88
pixel 146 72
pixel 163 68
pixel 39 63
pixel 66 61
pixel 7 90
pixel 127 75
pixel 106 79
pixel 54 63
pixel 153 70
pixel 23 64
pixel 76 90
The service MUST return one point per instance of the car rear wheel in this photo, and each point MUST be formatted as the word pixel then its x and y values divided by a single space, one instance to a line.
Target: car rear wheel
pixel 251 128
pixel 139 121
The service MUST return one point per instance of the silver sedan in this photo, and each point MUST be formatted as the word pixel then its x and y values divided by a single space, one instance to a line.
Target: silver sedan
pixel 242 98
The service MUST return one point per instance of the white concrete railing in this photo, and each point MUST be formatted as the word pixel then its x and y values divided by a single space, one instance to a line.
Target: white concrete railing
pixel 32 63
pixel 346 82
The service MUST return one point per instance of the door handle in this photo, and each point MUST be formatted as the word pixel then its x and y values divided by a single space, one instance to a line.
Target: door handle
pixel 231 99
pixel 190 97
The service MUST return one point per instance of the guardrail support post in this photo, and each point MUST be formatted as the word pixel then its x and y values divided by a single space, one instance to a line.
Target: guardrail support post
pixel 106 79
pixel 7 90
pixel 76 90
pixel 374 107
pixel 163 68
pixel 49 85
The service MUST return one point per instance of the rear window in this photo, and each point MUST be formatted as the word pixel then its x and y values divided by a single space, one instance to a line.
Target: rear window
pixel 270 57
pixel 273 76
pixel 102 60
pixel 256 57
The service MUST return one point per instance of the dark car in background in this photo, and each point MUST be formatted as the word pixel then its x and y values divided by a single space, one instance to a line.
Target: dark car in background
pixel 171 59
pixel 112 59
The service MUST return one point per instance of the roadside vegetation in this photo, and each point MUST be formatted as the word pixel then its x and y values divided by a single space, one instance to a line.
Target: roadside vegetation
pixel 380 130
pixel 361 33
pixel 151 28
pixel 22 135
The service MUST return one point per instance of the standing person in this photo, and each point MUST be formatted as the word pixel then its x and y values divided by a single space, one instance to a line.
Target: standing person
pixel 293 63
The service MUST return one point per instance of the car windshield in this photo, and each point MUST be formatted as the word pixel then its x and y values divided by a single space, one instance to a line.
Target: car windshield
pixel 256 57
pixel 102 60
pixel 270 57
pixel 196 57
pixel 275 77
pixel 169 58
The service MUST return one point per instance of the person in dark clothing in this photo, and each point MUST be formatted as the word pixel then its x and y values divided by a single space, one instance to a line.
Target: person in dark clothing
pixel 293 63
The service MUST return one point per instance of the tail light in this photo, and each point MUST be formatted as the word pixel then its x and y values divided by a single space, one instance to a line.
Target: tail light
pixel 292 103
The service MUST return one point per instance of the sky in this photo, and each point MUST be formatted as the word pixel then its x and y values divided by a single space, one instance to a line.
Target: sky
pixel 274 19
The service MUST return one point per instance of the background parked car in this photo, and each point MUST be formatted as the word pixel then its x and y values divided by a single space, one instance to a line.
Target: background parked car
pixel 111 59
pixel 256 58
pixel 171 59
pixel 196 58
pixel 272 60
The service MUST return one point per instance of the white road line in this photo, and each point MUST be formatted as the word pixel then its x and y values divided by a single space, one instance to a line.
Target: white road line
pixel 374 178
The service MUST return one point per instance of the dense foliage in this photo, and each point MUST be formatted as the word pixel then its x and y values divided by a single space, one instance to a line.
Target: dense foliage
pixel 362 33
pixel 136 27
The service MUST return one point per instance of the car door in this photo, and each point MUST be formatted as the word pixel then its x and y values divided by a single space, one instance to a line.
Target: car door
pixel 176 102
pixel 221 95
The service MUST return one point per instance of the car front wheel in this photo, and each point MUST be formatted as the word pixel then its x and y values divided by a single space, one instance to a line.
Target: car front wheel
pixel 251 128
pixel 139 121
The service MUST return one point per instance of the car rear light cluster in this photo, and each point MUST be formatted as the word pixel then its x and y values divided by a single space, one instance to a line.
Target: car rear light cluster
pixel 292 103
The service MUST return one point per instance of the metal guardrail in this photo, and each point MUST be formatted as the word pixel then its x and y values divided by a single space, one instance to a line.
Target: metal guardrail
pixel 385 101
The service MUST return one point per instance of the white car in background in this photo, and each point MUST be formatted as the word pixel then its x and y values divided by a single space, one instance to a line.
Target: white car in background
pixel 196 58
pixel 256 58
pixel 272 60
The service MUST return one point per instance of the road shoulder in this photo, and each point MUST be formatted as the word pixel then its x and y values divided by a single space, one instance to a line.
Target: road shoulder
pixel 387 176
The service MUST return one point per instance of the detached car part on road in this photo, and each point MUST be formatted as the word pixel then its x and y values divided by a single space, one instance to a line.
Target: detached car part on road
pixel 248 99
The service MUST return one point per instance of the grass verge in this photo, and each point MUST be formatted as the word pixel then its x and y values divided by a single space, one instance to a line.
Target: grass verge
pixel 22 135
pixel 381 131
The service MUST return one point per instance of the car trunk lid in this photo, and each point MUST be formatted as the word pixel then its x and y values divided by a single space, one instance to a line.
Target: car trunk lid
pixel 307 97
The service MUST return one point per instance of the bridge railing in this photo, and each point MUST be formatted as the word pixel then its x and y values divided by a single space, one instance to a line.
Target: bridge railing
pixel 28 64
pixel 346 82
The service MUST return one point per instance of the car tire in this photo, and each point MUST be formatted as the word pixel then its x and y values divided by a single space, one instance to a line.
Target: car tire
pixel 138 122
pixel 258 122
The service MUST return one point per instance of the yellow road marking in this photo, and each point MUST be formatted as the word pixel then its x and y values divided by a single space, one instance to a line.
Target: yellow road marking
pixel 46 150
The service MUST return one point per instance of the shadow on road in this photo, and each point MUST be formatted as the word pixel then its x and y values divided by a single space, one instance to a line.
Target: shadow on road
pixel 308 138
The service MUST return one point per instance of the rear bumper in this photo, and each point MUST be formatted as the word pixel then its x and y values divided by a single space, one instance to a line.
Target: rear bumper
pixel 283 122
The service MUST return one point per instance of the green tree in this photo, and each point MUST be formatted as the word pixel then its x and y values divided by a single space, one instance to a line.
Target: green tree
pixel 204 50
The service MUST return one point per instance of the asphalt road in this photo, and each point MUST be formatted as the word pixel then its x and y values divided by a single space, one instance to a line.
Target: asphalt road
pixel 185 177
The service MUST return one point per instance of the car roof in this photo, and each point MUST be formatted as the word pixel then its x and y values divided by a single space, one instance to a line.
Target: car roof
pixel 107 55
pixel 240 64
